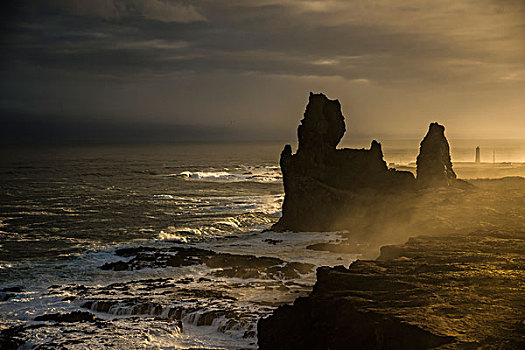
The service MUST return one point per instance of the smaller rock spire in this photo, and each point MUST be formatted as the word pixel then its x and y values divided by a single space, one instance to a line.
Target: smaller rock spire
pixel 434 166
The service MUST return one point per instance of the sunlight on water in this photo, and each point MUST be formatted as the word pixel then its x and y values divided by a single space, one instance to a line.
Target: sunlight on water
pixel 71 211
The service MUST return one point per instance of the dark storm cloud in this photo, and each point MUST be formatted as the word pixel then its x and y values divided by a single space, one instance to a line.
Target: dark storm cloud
pixel 384 42
pixel 157 57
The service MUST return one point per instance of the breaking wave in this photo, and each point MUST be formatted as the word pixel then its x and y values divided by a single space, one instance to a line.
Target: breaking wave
pixel 225 227
pixel 262 174
pixel 217 205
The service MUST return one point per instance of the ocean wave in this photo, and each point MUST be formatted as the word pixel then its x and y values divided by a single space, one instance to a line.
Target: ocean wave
pixel 211 308
pixel 261 174
pixel 164 196
pixel 224 227
pixel 266 204
pixel 174 237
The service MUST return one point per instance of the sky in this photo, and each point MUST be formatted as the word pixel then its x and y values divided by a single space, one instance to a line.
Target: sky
pixel 242 70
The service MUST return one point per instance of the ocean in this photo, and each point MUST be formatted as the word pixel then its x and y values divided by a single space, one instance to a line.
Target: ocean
pixel 65 211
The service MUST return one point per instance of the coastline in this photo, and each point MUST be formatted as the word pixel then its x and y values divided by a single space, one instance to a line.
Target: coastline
pixel 451 291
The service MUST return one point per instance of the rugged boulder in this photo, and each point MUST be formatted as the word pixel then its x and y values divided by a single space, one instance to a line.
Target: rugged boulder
pixel 434 166
pixel 450 292
pixel 321 182
pixel 227 265
pixel 74 316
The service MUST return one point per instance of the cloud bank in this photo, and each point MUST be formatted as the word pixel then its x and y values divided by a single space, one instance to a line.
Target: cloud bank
pixel 56 52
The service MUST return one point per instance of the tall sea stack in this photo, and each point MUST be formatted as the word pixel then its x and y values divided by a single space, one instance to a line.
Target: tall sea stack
pixel 322 182
pixel 434 167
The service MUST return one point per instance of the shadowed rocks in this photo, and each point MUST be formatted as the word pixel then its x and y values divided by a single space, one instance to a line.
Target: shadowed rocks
pixel 74 316
pixel 227 265
pixel 434 166
pixel 10 292
pixel 12 338
pixel 329 189
pixel 454 292
pixel 321 181
pixel 336 324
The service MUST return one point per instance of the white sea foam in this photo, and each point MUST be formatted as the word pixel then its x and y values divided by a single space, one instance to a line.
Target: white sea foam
pixel 267 204
pixel 164 196
pixel 288 246
pixel 249 296
pixel 181 234
pixel 172 237
pixel 262 174
pixel 206 175
pixel 235 215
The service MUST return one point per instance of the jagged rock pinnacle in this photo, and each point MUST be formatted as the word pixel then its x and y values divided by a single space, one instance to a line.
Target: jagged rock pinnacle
pixel 434 166
pixel 323 124
pixel 320 180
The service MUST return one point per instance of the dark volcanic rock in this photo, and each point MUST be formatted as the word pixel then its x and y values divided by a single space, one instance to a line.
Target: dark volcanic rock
pixel 330 189
pixel 16 289
pixel 227 265
pixel 434 166
pixel 115 266
pixel 320 181
pixel 75 316
pixel 8 293
pixel 6 296
pixel 11 338
pixel 99 305
pixel 452 292
pixel 323 125
pixel 336 324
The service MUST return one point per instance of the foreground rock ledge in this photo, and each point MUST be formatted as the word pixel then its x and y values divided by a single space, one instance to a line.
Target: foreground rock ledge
pixel 449 292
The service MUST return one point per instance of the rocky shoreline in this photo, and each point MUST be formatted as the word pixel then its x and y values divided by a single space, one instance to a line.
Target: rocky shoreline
pixel 174 289
pixel 454 291
pixel 459 284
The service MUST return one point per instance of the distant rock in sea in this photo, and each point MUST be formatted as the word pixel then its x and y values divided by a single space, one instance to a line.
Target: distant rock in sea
pixel 434 166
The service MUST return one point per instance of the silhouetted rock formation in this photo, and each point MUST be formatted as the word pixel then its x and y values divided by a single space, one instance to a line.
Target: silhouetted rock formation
pixel 424 294
pixel 434 166
pixel 324 185
pixel 320 181
pixel 74 316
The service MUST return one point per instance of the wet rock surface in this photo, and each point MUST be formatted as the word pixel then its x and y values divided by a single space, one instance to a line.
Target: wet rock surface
pixel 224 292
pixel 9 338
pixel 8 293
pixel 227 265
pixel 454 291
pixel 75 316
pixel 12 338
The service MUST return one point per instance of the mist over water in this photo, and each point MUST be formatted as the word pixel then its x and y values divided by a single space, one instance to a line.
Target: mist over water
pixel 59 200
pixel 139 211
pixel 400 151
pixel 65 210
